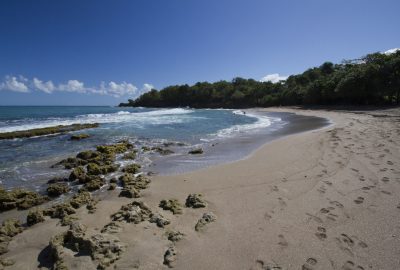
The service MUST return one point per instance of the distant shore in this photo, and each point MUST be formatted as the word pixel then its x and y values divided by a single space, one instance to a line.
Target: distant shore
pixel 323 199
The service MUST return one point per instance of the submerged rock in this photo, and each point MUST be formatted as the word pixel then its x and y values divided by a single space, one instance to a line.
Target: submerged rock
pixel 70 163
pixel 204 220
pixel 34 216
pixel 130 155
pixel 56 180
pixel 159 220
pixel 20 198
pixel 195 201
pixel 196 151
pixel 55 190
pixel 78 137
pixel 134 212
pixel 172 205
pixel 170 257
pixel 162 151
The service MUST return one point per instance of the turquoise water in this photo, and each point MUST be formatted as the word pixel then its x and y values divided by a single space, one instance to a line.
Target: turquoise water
pixel 26 162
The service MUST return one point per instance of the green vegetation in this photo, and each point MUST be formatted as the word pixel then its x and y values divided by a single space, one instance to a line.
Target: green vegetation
pixel 372 80
pixel 45 131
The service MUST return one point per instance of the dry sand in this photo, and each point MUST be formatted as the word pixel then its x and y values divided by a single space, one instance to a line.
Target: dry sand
pixel 325 199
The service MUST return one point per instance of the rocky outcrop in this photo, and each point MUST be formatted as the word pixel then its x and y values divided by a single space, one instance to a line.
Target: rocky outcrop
pixel 204 220
pixel 78 137
pixel 8 229
pixel 20 198
pixel 134 212
pixel 196 151
pixel 172 205
pixel 159 220
pixel 131 168
pixel 34 216
pixel 195 201
pixel 55 190
pixel 129 192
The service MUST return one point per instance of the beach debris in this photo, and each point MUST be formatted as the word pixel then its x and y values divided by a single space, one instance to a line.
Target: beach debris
pixel 55 190
pixel 20 199
pixel 103 248
pixel 112 227
pixel 45 131
pixel 174 236
pixel 196 151
pixel 159 220
pixel 134 212
pixel 34 216
pixel 195 200
pixel 172 205
pixel 78 137
pixel 170 257
pixel 204 220
pixel 131 168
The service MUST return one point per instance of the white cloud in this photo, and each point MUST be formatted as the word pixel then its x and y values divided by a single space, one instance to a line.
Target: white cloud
pixel 114 89
pixel 15 84
pixel 391 51
pixel 274 78
pixel 73 86
pixel 147 87
pixel 47 87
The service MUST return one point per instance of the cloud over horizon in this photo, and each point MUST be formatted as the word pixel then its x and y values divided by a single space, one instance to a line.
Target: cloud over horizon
pixel 23 85
pixel 274 78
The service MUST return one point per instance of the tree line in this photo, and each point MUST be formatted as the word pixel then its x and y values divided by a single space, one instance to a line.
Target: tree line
pixel 371 80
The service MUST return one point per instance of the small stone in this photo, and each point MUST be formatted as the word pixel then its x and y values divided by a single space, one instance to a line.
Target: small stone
pixel 170 257
pixel 205 219
pixel 172 205
pixel 174 236
pixel 159 220
pixel 195 201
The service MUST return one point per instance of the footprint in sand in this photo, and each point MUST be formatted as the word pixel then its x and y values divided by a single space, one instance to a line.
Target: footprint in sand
pixel 321 234
pixel 282 241
pixel 349 265
pixel 310 264
pixel 261 265
pixel 275 188
pixel 386 192
pixel 336 203
pixel 359 200
pixel 389 162
pixel 385 179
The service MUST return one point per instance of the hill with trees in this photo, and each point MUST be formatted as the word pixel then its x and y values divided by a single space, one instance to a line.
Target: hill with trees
pixel 371 80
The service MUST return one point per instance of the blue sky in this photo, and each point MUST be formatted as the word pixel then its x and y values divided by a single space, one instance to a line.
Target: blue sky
pixel 104 52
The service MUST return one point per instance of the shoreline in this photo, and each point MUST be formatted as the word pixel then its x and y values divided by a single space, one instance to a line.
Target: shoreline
pixel 311 200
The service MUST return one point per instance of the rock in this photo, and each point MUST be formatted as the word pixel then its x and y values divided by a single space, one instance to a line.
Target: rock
pixel 111 227
pixel 134 212
pixel 81 198
pixel 113 180
pixel 170 257
pixel 34 216
pixel 129 180
pixel 78 137
pixel 205 219
pixel 145 149
pixel 196 151
pixel 195 201
pixel 162 151
pixel 70 163
pixel 112 186
pixel 129 192
pixel 131 168
pixel 130 155
pixel 55 190
pixel 59 211
pixel 88 155
pixel 94 169
pixel 20 198
pixel 93 184
pixel 10 227
pixel 172 205
pixel 174 236
pixel 159 220
pixel 117 148
pixel 57 180
pixel 91 206
pixel 7 262
pixel 78 173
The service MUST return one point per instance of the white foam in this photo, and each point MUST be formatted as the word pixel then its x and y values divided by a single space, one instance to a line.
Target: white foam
pixel 156 117
pixel 262 122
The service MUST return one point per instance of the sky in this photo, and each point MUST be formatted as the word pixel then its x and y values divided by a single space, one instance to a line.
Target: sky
pixel 82 52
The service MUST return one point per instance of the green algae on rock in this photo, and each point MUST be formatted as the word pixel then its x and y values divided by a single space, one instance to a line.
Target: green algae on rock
pixel 45 131
pixel 55 190
pixel 20 199
pixel 34 216
pixel 204 220
pixel 195 201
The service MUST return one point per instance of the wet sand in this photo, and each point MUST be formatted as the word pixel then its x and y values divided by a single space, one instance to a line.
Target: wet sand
pixel 324 199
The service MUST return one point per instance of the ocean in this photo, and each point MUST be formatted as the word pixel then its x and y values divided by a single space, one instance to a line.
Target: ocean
pixel 224 135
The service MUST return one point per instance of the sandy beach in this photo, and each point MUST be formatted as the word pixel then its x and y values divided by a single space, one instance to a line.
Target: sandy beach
pixel 324 199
